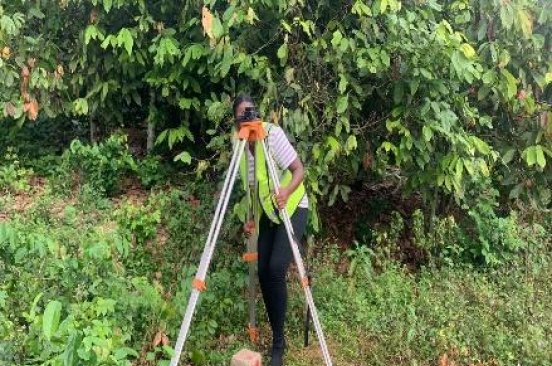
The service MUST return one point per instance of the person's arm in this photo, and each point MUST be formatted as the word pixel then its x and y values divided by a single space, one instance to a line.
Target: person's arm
pixel 298 173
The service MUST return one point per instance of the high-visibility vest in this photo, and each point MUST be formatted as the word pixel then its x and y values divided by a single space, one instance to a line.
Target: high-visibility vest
pixel 265 187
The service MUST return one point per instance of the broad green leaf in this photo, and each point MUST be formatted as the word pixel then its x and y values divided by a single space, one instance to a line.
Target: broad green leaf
pixel 360 8
pixel 342 103
pixel 351 143
pixel 481 145
pixel 184 157
pixel 459 168
pixel 530 155
pixel 91 32
pixel 428 133
pixel 525 22
pixel 511 83
pixel 508 156
pixel 468 51
pixel 541 160
pixel 107 5
pixel 50 320
pixel 503 59
pixel 514 193
pixel 484 168
pixel 336 39
pixel 342 83
pixel 125 38
pixel 383 6
pixel 283 53
pixel 468 165
pixel 70 356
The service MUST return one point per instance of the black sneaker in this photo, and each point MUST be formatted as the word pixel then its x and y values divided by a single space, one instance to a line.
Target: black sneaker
pixel 277 354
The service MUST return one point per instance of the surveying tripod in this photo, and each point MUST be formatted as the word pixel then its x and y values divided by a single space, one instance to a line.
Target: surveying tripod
pixel 252 131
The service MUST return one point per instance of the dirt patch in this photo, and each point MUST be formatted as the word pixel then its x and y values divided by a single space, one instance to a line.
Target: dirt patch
pixel 22 201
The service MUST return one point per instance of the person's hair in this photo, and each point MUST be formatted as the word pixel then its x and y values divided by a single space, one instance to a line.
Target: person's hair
pixel 240 99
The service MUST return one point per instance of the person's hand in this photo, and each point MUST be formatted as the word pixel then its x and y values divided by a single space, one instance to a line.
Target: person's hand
pixel 282 197
pixel 249 228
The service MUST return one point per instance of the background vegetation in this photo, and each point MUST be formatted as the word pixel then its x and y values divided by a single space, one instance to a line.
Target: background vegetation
pixel 426 128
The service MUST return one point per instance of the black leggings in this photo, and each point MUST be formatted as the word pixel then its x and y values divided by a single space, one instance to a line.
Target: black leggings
pixel 275 256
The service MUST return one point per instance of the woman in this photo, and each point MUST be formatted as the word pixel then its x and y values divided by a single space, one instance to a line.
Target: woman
pixel 274 251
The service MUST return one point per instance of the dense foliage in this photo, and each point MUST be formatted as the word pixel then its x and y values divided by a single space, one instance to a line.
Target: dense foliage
pixel 432 94
pixel 114 121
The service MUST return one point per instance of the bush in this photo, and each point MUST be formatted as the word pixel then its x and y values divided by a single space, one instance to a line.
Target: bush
pixel 102 165
pixel 13 177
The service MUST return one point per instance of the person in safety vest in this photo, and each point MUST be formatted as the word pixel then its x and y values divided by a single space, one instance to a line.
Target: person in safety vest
pixel 274 251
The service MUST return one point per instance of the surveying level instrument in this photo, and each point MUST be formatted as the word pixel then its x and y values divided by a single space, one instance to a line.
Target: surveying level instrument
pixel 249 131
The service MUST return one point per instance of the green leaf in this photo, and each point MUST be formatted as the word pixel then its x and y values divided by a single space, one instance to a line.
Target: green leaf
pixel 484 168
pixel 342 103
pixel 530 155
pixel 541 160
pixel 336 39
pixel 351 143
pixel 107 5
pixel 383 6
pixel 459 168
pixel 125 38
pixel 514 193
pixel 511 83
pixel 508 156
pixel 428 133
pixel 360 8
pixel 50 320
pixel 184 157
pixel 481 145
pixel 70 356
pixel 342 83
pixel 283 53
pixel 91 32
pixel 468 50
pixel 468 165
pixel 503 59
pixel 525 22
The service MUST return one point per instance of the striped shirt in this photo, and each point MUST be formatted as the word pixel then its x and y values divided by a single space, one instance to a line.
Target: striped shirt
pixel 282 153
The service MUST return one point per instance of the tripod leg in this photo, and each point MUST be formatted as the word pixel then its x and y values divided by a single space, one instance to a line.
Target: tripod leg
pixel 251 258
pixel 199 281
pixel 299 262
pixel 307 312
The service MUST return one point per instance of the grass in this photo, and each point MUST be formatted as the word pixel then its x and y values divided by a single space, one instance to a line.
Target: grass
pixel 447 316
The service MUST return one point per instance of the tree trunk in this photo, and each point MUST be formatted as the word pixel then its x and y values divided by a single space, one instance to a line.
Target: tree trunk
pixel 151 136
pixel 93 131
pixel 151 124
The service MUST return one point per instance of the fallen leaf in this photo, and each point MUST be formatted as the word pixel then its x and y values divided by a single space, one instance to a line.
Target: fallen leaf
pixel 25 72
pixel 443 360
pixel 164 340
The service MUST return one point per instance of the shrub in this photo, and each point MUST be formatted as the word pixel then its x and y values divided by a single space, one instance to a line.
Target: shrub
pixel 13 177
pixel 102 165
